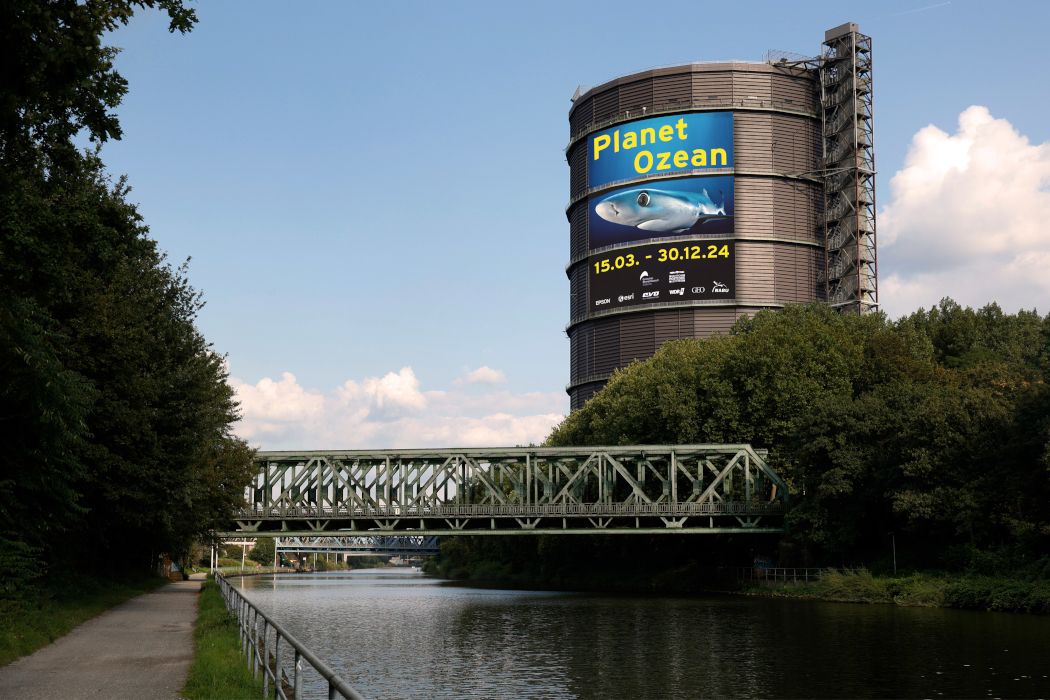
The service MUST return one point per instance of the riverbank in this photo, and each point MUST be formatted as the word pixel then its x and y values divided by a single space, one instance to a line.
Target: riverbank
pixel 41 616
pixel 687 579
pixel 963 591
pixel 936 589
pixel 219 668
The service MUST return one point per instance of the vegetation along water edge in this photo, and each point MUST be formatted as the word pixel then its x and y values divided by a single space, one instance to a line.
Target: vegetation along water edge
pixel 937 589
pixel 1024 592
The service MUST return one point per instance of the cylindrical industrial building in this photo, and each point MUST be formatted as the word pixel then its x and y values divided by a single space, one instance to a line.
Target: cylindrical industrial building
pixel 696 197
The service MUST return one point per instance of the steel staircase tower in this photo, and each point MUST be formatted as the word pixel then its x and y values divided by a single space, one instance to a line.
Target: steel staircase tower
pixel 845 75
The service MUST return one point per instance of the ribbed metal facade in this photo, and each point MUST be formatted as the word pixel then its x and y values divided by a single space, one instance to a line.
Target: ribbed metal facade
pixel 779 206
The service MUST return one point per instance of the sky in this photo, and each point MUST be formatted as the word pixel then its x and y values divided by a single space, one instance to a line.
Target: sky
pixel 372 195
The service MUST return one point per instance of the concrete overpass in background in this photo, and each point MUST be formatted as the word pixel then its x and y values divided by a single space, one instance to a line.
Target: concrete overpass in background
pixel 654 489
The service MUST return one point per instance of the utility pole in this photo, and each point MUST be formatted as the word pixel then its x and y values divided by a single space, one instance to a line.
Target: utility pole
pixel 893 544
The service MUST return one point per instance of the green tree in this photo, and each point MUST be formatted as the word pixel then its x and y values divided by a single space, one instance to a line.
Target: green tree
pixel 934 427
pixel 756 385
pixel 58 77
pixel 263 551
pixel 118 408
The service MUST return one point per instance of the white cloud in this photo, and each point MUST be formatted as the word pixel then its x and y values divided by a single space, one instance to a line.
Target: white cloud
pixel 484 375
pixel 391 411
pixel 268 408
pixel 393 394
pixel 968 218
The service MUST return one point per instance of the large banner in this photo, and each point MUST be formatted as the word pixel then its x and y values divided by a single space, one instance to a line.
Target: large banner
pixel 660 146
pixel 663 208
pixel 662 272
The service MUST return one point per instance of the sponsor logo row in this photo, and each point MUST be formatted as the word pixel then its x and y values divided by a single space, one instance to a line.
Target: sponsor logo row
pixel 716 288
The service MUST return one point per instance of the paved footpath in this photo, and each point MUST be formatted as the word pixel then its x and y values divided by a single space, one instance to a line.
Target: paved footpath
pixel 140 649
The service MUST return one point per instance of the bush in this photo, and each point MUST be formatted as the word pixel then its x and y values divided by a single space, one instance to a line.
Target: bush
pixel 1006 595
pixel 859 586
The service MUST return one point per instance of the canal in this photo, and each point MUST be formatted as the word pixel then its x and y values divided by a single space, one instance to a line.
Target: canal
pixel 393 633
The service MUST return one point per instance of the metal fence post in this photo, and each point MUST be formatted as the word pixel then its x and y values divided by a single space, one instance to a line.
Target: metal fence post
pixel 240 621
pixel 255 645
pixel 297 677
pixel 276 664
pixel 265 659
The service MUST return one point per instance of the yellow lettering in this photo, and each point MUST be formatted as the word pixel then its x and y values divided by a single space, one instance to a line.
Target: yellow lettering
pixel 601 143
pixel 643 156
pixel 643 162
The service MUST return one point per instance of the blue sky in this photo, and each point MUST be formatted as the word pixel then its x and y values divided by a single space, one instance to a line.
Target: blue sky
pixel 370 187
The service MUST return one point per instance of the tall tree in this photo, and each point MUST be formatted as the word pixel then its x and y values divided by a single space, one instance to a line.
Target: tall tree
pixel 118 409
pixel 58 77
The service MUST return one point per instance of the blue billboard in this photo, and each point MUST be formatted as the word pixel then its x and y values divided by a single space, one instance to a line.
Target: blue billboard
pixel 680 206
pixel 683 143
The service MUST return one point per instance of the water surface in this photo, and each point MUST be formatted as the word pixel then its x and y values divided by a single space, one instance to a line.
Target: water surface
pixel 393 633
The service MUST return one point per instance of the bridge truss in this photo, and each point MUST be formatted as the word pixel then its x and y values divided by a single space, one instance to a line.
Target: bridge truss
pixel 361 546
pixel 513 491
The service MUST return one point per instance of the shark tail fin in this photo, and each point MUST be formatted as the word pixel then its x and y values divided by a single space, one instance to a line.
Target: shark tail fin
pixel 722 206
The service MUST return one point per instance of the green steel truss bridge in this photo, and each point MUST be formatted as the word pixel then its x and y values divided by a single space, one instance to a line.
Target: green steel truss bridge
pixel 672 489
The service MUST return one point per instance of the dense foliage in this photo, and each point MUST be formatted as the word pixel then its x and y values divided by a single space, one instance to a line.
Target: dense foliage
pixel 264 551
pixel 931 433
pixel 114 409
pixel 935 427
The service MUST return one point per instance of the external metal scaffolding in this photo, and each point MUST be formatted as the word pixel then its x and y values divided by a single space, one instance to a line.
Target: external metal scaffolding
pixel 845 75
pixel 582 490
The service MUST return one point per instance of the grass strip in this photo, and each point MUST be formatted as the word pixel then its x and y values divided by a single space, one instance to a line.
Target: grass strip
pixel 47 614
pixel 219 669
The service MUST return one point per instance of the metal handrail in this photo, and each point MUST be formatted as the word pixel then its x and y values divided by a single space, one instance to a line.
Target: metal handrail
pixel 257 650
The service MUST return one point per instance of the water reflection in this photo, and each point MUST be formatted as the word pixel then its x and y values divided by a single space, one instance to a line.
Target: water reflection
pixel 396 634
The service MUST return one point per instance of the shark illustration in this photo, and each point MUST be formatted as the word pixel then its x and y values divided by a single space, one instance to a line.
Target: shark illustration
pixel 659 210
